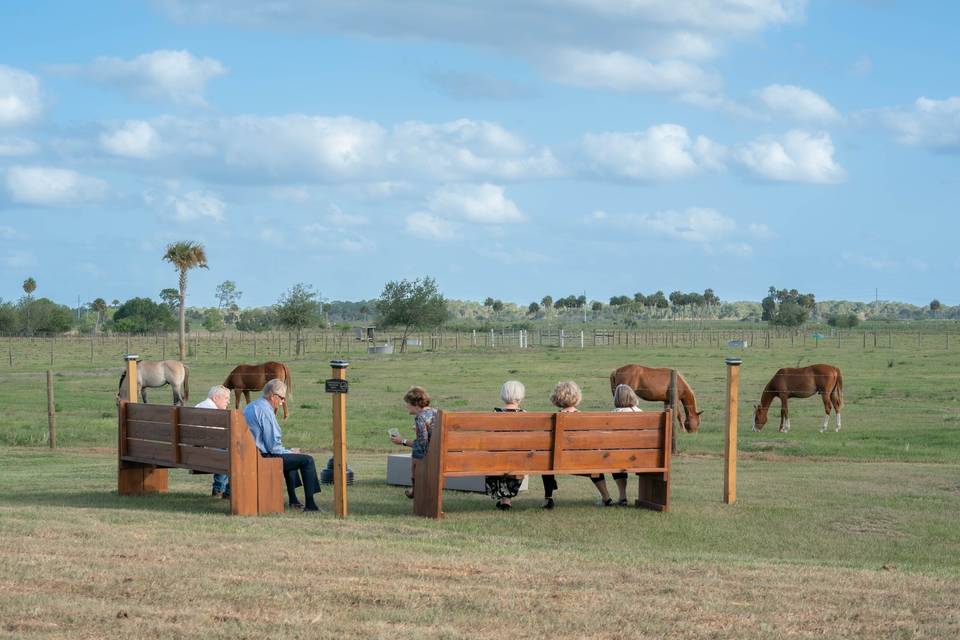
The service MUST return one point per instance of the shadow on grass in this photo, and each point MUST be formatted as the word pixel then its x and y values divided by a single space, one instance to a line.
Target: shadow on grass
pixel 164 502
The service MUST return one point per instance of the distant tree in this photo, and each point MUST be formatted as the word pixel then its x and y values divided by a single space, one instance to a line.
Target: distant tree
pixel 29 286
pixel 596 305
pixel 142 315
pixel 547 301
pixel 45 316
pixel 934 307
pixel 227 296
pixel 298 309
pixel 364 310
pixel 488 302
pixel 9 318
pixel 213 321
pixel 640 299
pixel 844 321
pixel 581 301
pixel 788 308
pixel 619 301
pixel 497 306
pixel 170 297
pixel 533 309
pixel 184 256
pixel 115 303
pixel 411 304
pixel 256 320
pixel 99 306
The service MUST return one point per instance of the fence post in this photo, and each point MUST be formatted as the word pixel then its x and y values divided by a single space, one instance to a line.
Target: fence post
pixel 730 439
pixel 674 409
pixel 339 372
pixel 51 412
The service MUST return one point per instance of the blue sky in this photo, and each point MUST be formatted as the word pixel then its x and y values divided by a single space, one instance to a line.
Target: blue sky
pixel 507 148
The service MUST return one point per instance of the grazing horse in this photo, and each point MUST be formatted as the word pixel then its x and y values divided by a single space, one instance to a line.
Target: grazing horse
pixel 252 377
pixel 157 373
pixel 653 383
pixel 824 379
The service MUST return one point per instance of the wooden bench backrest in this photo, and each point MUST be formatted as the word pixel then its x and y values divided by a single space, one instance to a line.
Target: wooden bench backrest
pixel 579 442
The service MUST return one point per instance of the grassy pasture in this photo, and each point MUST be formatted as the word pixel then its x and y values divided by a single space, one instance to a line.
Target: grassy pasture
pixel 850 534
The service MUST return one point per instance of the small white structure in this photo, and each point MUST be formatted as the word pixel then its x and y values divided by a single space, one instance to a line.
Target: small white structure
pixel 738 344
pixel 398 473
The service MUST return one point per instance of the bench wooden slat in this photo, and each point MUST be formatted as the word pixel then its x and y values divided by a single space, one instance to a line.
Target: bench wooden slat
pixel 614 421
pixel 150 412
pixel 150 451
pixel 480 462
pixel 499 440
pixel 156 431
pixel 490 421
pixel 204 436
pixel 204 417
pixel 621 439
pixel 613 459
pixel 205 459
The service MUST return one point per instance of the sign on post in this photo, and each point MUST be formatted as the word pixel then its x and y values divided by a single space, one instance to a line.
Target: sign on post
pixel 339 387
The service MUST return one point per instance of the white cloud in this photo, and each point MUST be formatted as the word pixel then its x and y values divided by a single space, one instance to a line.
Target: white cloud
pixel 196 205
pixel 797 157
pixel 708 228
pixel 13 147
pixel 20 99
pixel 134 139
pixel 299 149
pixel 176 76
pixel 760 231
pixel 483 204
pixel 426 225
pixel 797 103
pixel 662 152
pixel 18 259
pixel 645 45
pixel 868 262
pixel 624 72
pixel 338 218
pixel 930 123
pixel 52 187
pixel 358 245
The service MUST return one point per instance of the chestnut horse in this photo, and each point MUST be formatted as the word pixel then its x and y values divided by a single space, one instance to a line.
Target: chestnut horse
pixel 653 383
pixel 824 379
pixel 252 377
pixel 157 373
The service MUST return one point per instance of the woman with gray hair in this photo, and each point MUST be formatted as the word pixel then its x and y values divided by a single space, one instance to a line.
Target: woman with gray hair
pixel 504 488
pixel 624 400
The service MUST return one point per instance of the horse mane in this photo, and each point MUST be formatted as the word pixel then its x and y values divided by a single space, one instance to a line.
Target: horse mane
pixel 683 391
pixel 286 371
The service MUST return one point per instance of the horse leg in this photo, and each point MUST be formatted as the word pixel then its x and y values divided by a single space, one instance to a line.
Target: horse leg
pixel 784 415
pixel 246 396
pixel 143 394
pixel 177 395
pixel 837 403
pixel 827 407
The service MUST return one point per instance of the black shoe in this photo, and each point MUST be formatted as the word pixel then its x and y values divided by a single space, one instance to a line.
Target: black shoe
pixel 607 503
pixel 504 506
pixel 622 503
pixel 216 494
pixel 547 504
pixel 313 509
pixel 296 505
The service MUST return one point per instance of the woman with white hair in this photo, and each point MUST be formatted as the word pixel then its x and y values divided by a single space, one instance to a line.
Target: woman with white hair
pixel 504 488
pixel 624 400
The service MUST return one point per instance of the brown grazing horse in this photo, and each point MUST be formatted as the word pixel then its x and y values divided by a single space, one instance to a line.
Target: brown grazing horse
pixel 252 377
pixel 824 379
pixel 653 383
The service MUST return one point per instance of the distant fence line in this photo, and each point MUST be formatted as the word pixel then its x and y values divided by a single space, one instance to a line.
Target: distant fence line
pixel 236 346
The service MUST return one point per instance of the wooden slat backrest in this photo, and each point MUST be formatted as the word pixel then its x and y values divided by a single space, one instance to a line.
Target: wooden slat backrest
pixel 173 436
pixel 491 443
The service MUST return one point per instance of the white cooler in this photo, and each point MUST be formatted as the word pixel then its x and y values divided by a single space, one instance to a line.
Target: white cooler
pixel 398 473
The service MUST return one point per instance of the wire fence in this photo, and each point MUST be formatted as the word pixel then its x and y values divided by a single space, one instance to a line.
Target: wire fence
pixel 235 347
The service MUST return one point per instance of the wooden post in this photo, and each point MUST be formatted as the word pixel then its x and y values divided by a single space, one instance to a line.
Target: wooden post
pixel 51 411
pixel 135 478
pixel 132 378
pixel 675 410
pixel 730 440
pixel 339 372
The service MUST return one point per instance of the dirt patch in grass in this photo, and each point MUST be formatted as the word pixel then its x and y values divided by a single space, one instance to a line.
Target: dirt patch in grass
pixel 872 526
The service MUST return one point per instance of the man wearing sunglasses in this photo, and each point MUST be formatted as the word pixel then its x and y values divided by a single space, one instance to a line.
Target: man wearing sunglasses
pixel 261 416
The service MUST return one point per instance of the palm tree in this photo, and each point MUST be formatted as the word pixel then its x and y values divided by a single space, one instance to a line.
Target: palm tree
pixel 185 256
pixel 99 305
pixel 29 286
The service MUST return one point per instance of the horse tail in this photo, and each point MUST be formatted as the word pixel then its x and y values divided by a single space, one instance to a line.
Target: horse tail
pixel 286 372
pixel 838 392
pixel 613 381
pixel 186 385
pixel 123 375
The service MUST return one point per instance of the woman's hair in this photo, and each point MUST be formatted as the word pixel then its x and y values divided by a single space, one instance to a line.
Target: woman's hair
pixel 623 396
pixel 566 394
pixel 512 392
pixel 417 397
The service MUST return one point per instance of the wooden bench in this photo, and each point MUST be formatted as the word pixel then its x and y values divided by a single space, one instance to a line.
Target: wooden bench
pixel 154 438
pixel 488 443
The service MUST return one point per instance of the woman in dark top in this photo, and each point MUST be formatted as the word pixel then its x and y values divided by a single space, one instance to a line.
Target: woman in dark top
pixel 503 488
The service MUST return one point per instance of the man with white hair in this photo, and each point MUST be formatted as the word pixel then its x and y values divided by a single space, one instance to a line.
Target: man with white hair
pixel 261 416
pixel 218 398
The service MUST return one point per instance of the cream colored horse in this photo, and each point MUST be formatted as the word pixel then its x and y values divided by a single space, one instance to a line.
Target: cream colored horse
pixel 157 374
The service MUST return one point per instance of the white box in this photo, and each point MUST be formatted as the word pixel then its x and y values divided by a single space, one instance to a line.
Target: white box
pixel 398 473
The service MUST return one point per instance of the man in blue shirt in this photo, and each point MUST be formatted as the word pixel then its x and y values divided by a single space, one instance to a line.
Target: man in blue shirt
pixel 261 417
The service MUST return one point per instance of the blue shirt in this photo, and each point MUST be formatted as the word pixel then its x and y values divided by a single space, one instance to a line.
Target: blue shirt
pixel 423 426
pixel 264 426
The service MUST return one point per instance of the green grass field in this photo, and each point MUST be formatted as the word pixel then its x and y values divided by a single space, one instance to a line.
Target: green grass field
pixel 849 534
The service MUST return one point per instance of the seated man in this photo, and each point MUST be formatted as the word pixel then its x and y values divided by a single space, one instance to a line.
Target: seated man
pixel 261 416
pixel 218 398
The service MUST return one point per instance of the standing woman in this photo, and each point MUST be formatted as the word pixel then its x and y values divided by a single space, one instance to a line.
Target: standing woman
pixel 566 396
pixel 418 405
pixel 503 488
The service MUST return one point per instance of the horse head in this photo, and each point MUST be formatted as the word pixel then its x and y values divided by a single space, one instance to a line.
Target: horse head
pixel 759 417
pixel 691 423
